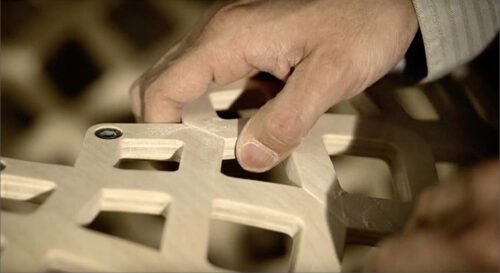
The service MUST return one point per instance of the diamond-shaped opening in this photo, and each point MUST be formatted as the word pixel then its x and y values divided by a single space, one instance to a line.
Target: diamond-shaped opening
pixel 368 176
pixel 71 68
pixel 144 229
pixel 140 22
pixel 150 154
pixel 278 174
pixel 23 195
pixel 248 249
pixel 132 215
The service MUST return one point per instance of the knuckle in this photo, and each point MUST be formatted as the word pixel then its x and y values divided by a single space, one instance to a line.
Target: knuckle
pixel 226 16
pixel 346 76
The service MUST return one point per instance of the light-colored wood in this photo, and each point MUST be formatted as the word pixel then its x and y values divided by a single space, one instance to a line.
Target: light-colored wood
pixel 57 132
pixel 317 213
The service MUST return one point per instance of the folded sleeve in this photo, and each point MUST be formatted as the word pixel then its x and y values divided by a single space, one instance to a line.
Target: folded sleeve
pixel 455 31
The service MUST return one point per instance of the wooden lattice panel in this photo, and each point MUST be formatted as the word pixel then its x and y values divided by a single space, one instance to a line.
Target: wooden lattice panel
pixel 313 209
pixel 306 197
pixel 457 116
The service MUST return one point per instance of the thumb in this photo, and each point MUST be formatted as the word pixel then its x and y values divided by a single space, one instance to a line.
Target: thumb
pixel 279 126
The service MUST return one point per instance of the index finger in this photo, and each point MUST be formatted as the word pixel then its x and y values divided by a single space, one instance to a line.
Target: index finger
pixel 182 80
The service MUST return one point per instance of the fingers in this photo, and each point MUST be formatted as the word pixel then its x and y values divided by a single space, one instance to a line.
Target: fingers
pixel 184 80
pixel 453 204
pixel 485 186
pixel 436 250
pixel 445 206
pixel 437 247
pixel 182 75
pixel 417 252
pixel 136 100
pixel 187 77
pixel 138 86
pixel 279 126
pixel 454 228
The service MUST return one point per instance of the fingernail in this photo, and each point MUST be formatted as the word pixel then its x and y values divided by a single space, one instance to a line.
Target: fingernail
pixel 255 156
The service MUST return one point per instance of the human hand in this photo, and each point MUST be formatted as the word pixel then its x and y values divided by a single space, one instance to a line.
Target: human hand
pixel 454 228
pixel 325 50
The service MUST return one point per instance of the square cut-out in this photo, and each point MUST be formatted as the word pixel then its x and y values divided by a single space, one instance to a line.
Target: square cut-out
pixel 144 164
pixel 278 175
pixel 144 229
pixel 150 154
pixel 23 195
pixel 134 215
pixel 248 249
pixel 23 206
pixel 367 176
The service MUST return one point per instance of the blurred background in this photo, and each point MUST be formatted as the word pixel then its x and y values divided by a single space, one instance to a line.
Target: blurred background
pixel 67 65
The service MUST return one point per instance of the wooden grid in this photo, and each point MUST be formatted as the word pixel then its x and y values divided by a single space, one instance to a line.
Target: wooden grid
pixel 316 212
pixel 53 237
